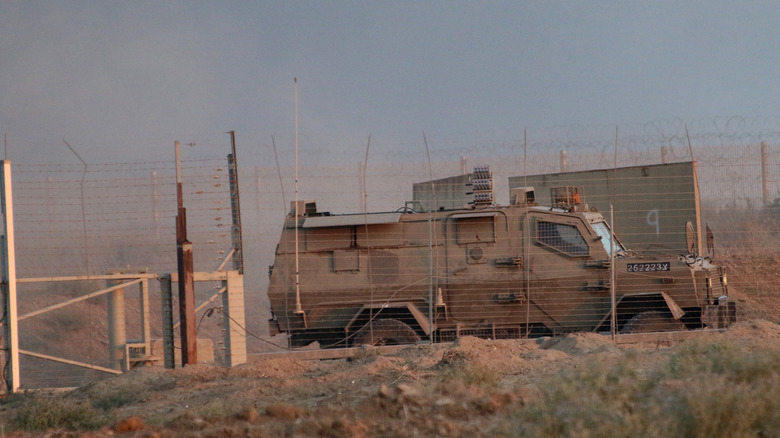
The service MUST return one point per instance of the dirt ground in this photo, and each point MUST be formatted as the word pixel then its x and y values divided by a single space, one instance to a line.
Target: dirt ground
pixel 468 388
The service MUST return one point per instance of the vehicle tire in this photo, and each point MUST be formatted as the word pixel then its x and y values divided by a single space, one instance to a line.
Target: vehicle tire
pixel 385 332
pixel 651 322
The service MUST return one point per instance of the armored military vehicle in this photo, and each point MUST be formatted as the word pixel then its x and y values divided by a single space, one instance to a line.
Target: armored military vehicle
pixel 521 270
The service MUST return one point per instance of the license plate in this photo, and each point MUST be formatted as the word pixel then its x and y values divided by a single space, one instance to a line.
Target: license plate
pixel 648 267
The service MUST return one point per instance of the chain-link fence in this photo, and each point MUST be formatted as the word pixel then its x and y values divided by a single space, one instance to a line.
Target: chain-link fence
pixel 89 220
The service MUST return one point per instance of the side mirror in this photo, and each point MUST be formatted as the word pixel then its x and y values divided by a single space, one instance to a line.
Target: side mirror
pixel 690 237
pixel 710 241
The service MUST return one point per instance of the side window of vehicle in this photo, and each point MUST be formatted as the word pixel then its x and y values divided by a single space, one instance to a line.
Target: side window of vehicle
pixel 476 230
pixel 561 237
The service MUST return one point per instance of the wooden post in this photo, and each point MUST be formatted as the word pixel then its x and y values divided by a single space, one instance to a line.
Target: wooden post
pixel 189 343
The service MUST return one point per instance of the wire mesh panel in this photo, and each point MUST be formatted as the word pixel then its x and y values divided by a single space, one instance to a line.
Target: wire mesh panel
pixel 370 263
pixel 75 225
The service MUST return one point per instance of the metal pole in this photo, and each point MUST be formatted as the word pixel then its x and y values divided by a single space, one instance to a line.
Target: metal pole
pixel 155 203
pixel 50 202
pixel 189 344
pixel 166 296
pixel 612 298
pixel 117 337
pixel 298 305
pixel 612 278
pixel 765 173
pixel 235 208
pixel 11 331
pixel 362 182
pixel 146 327
pixel 564 164
pixel 234 319
pixel 431 242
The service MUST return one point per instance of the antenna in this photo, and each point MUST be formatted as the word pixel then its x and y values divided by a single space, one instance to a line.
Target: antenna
pixel 284 209
pixel 298 307
pixel 431 239
pixel 83 207
pixel 279 173
pixel 368 244
pixel 688 136
pixel 697 200
pixel 526 241
pixel 365 167
pixel 434 206
pixel 613 304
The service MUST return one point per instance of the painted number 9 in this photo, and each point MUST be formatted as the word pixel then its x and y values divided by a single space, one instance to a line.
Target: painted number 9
pixel 652 220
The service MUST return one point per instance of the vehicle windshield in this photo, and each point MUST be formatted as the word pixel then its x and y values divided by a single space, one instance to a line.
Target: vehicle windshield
pixel 602 230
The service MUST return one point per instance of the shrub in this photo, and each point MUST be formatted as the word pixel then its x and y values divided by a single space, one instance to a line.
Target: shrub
pixel 697 358
pixel 459 366
pixel 703 389
pixel 115 399
pixel 473 374
pixel 600 399
pixel 38 413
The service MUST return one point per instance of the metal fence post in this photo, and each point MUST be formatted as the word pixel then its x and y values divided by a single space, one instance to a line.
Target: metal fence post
pixel 235 208
pixel 155 192
pixel 234 319
pixel 765 173
pixel 564 163
pixel 166 295
pixel 10 328
pixel 117 338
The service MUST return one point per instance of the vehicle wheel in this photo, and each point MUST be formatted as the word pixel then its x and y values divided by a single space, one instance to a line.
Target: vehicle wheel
pixel 653 321
pixel 385 332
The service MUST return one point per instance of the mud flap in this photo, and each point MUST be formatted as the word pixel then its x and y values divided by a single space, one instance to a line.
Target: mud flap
pixel 419 317
pixel 721 315
pixel 677 311
pixel 651 300
pixel 273 327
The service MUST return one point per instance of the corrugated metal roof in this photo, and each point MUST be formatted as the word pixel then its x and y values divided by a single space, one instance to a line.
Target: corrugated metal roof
pixel 351 219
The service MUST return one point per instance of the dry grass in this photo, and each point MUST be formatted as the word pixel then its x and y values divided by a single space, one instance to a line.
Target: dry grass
pixel 36 413
pixel 703 389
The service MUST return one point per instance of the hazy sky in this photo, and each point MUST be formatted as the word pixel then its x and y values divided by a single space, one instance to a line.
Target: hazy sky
pixel 120 80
